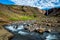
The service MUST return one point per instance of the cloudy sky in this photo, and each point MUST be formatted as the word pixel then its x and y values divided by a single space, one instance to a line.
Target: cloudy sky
pixel 42 4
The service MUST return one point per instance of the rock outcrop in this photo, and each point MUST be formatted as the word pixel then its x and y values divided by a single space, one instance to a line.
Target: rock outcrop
pixel 54 12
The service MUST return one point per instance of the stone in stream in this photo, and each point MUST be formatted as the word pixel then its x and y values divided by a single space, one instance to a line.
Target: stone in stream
pixel 15 27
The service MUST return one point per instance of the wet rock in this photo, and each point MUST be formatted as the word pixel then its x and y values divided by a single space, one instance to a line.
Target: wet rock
pixel 48 24
pixel 41 30
pixel 58 21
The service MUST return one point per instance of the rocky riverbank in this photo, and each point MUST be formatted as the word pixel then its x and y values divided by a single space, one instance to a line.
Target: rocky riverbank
pixel 29 30
pixel 34 25
pixel 4 34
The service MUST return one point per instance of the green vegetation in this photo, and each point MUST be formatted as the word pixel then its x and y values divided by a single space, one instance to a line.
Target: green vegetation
pixel 21 18
pixel 26 18
pixel 13 19
pixel 15 16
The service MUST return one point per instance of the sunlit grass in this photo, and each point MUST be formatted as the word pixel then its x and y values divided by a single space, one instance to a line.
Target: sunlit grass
pixel 21 18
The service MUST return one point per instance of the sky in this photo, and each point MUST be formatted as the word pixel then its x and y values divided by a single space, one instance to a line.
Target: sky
pixel 7 2
pixel 41 4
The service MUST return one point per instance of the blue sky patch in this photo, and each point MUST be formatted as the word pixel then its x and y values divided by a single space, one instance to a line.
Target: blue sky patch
pixel 6 2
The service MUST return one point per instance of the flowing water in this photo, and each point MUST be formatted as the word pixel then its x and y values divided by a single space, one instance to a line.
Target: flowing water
pixel 20 33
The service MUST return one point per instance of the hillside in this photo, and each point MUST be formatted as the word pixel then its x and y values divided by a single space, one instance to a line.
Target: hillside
pixel 13 13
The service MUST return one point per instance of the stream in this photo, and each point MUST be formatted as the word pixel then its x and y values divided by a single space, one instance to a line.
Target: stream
pixel 21 33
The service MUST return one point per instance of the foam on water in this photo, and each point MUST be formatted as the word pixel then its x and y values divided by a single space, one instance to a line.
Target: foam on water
pixel 20 29
pixel 11 28
pixel 51 37
pixel 23 33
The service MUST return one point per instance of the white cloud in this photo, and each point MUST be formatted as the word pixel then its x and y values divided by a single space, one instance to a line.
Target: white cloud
pixel 42 4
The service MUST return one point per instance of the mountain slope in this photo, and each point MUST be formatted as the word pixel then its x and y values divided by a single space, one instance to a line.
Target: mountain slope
pixel 15 12
pixel 54 12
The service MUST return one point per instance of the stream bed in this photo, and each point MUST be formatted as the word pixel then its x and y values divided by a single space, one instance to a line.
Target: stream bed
pixel 20 33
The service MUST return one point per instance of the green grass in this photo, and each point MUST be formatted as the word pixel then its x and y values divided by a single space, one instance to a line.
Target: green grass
pixel 21 18
pixel 13 19
pixel 16 17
